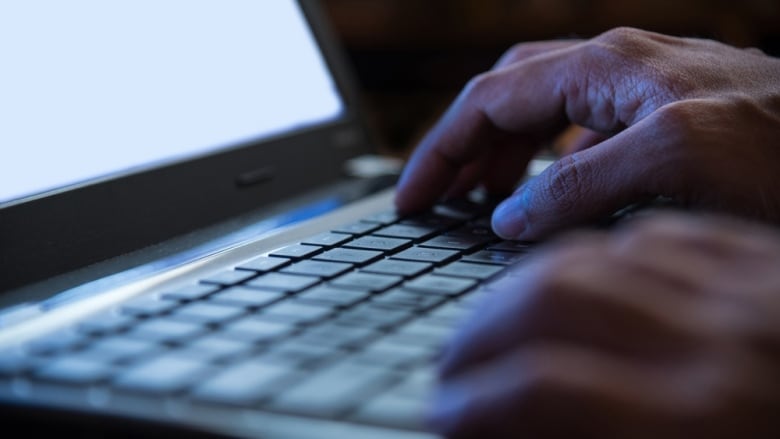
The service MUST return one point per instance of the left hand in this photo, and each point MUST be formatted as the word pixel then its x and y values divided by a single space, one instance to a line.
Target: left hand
pixel 669 328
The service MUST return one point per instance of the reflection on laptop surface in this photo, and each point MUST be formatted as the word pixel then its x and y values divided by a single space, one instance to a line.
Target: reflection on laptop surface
pixel 182 250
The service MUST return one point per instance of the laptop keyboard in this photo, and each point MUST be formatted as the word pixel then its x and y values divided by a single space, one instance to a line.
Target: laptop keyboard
pixel 343 325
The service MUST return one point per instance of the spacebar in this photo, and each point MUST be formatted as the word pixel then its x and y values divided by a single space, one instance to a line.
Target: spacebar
pixel 334 391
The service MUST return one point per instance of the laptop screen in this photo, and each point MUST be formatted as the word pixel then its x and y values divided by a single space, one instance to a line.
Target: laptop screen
pixel 91 89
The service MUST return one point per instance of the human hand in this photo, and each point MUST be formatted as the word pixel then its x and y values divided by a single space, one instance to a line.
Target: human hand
pixel 692 120
pixel 669 328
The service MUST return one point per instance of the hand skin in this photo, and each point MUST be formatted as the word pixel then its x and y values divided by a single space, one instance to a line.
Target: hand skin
pixel 692 120
pixel 665 328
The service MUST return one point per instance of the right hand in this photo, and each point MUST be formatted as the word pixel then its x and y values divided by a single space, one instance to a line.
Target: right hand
pixel 693 120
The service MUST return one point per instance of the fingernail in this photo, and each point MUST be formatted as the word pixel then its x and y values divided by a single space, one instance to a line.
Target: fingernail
pixel 509 220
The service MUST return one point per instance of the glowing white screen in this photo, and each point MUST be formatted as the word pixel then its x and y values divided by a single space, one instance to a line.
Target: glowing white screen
pixel 90 88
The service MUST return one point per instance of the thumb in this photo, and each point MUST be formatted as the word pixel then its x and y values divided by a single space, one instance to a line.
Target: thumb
pixel 584 186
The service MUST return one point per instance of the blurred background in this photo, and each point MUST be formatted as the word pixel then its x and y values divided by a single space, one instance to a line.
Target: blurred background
pixel 412 57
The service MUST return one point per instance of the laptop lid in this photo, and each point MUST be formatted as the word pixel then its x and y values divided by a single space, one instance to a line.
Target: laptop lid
pixel 126 124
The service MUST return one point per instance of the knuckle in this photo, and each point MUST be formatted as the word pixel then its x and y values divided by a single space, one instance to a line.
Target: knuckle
pixel 620 45
pixel 680 122
pixel 640 68
pixel 477 85
pixel 517 52
pixel 755 50
pixel 682 164
pixel 623 37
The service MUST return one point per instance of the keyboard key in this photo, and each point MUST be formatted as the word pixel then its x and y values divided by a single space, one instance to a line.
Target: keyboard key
pixel 430 283
pixel 166 374
pixel 296 312
pixel 512 246
pixel 366 281
pixel 397 267
pixel 328 295
pixel 228 277
pixel 75 370
pixel 448 315
pixel 406 231
pixel 334 391
pixel 463 243
pixel 299 355
pixel 403 406
pixel 482 222
pixel 462 208
pixel 322 269
pixel 478 230
pixel 106 322
pixel 166 331
pixel 244 383
pixel 379 243
pixel 14 361
pixel 403 299
pixel 433 220
pixel 370 316
pixel 246 297
pixel 385 218
pixel 392 411
pixel 327 239
pixel 422 254
pixel 387 354
pixel 434 345
pixel 417 385
pixel 340 336
pixel 263 264
pixel 206 313
pixel 214 348
pixel 358 228
pixel 255 330
pixel 190 292
pixel 296 251
pixel 145 306
pixel 423 332
pixel 469 270
pixel 352 256
pixel 120 348
pixel 494 257
pixel 56 342
pixel 287 283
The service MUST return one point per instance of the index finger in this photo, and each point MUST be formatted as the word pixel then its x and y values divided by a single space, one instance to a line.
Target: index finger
pixel 526 98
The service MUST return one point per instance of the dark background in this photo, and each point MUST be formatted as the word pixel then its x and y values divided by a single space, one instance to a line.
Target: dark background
pixel 412 57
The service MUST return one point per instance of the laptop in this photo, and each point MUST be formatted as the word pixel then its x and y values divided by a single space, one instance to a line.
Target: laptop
pixel 197 235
